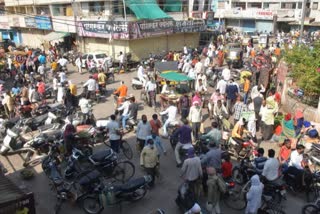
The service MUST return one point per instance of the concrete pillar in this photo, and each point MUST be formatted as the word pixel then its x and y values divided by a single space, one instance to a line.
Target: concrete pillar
pixel 318 111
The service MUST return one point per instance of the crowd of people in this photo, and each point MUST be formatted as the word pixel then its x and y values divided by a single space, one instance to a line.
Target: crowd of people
pixel 249 108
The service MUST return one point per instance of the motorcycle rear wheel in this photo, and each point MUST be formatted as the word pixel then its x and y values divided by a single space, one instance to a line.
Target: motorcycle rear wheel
pixel 92 205
pixel 236 200
pixel 313 193
pixel 123 171
pixel 310 209
pixel 138 194
pixel 237 176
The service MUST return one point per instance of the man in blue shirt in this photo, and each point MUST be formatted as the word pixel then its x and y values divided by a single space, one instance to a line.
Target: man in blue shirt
pixel 232 92
pixel 184 135
pixel 42 59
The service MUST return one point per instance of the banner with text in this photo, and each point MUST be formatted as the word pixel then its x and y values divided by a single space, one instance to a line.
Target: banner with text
pixel 140 29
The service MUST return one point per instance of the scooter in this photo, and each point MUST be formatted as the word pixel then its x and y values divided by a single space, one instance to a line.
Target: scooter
pixel 110 195
pixel 136 83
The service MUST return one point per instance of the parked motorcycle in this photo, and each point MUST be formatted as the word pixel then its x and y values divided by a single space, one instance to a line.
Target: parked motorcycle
pixel 247 149
pixel 110 195
pixel 105 161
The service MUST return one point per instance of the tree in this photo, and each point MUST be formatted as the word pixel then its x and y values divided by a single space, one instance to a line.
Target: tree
pixel 304 64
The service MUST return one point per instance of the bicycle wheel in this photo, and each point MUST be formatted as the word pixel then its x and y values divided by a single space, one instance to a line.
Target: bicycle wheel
pixel 126 149
pixel 123 171
pixel 92 205
pixel 236 199
pixel 313 193
pixel 310 209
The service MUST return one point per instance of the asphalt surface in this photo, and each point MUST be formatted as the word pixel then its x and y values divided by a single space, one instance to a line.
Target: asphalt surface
pixel 161 196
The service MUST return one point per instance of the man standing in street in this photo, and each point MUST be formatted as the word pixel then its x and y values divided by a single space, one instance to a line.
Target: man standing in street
pixel 238 109
pixel 195 117
pixel 191 171
pixel 232 92
pixel 113 127
pixel 149 159
pixel 184 135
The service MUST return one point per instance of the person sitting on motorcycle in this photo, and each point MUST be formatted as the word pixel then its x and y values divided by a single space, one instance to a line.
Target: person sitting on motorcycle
pixel 102 78
pixel 171 111
pixel 125 115
pixel 284 154
pixel 121 92
pixel 238 131
pixel 141 74
pixel 151 88
pixel 183 133
pixel 258 162
pixel 297 165
pixel 214 135
pixel 91 85
pixel 220 111
pixel 271 167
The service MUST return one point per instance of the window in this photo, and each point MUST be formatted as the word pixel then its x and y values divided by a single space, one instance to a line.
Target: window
pixel 239 4
pixel 62 10
pixel 42 10
pixel 96 7
pixel 299 5
pixel 196 5
pixel 29 10
pixel 21 10
pixel 288 5
pixel 315 6
pixel 116 7
pixel 255 5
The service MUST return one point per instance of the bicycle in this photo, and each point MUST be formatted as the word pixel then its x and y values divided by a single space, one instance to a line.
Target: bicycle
pixel 312 208
pixel 124 148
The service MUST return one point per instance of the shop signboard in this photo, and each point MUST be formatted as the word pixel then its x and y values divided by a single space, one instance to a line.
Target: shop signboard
pixel 43 22
pixel 144 29
pixel 4 23
pixel 104 29
pixel 188 26
pixel 30 22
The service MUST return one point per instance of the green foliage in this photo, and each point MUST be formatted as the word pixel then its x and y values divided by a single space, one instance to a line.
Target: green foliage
pixel 303 64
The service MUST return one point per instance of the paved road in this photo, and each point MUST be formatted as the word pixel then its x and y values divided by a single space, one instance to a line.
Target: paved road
pixel 161 196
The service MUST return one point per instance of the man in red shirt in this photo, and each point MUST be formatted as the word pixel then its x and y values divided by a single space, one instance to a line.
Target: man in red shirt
pixel 226 168
pixel 41 89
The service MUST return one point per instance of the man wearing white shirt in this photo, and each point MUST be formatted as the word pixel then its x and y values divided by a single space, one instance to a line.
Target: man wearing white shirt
pixel 92 86
pixel 171 111
pixel 186 67
pixel 125 114
pixel 63 62
pixel 296 166
pixel 141 75
pixel 63 77
pixel 221 86
pixel 150 89
pixel 271 167
pixel 192 75
pixel 226 74
pixel 198 68
pixel 121 61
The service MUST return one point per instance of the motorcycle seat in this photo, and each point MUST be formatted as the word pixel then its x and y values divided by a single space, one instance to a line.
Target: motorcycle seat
pixel 101 155
pixel 89 178
pixel 130 185
pixel 278 182
pixel 40 119
pixel 187 146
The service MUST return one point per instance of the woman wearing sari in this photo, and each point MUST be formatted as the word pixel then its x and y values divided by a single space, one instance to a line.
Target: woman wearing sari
pixel 288 131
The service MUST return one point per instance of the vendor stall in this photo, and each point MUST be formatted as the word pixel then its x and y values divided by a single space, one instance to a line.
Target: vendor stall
pixel 179 84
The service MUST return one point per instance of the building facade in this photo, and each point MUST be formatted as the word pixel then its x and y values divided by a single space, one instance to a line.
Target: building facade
pixel 110 26
pixel 265 15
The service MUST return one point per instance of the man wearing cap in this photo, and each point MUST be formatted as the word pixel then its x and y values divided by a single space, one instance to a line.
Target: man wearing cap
pixel 191 171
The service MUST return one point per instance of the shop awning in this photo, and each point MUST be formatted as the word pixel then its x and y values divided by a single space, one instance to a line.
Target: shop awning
pixel 146 9
pixel 55 35
pixel 175 76
pixel 173 6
